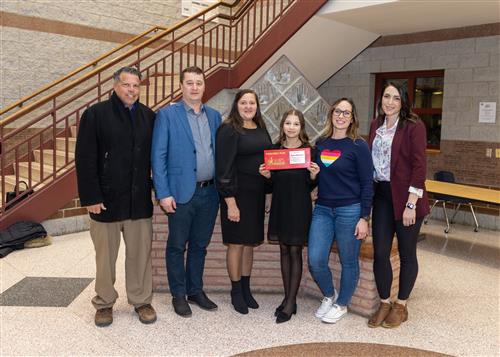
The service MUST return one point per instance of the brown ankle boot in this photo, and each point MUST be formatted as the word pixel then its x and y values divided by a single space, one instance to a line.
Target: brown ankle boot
pixel 147 314
pixel 398 314
pixel 380 315
pixel 103 317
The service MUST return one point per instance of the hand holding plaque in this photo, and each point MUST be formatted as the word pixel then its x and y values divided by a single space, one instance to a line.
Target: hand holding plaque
pixel 285 159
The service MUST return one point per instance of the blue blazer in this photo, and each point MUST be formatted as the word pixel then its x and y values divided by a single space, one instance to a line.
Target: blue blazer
pixel 173 155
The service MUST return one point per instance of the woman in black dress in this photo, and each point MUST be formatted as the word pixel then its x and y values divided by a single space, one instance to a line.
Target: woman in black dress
pixel 291 210
pixel 240 144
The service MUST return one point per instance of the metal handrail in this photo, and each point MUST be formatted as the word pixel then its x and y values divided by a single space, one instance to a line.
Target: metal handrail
pixel 215 41
pixel 93 63
pixel 165 32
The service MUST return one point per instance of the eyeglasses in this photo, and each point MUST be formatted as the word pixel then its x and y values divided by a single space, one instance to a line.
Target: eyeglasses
pixel 345 113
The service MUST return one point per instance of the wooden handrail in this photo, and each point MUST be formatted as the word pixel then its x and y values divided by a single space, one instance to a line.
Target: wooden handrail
pixel 146 43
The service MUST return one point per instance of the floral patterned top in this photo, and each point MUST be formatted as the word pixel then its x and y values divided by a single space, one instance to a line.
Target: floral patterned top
pixel 381 155
pixel 381 151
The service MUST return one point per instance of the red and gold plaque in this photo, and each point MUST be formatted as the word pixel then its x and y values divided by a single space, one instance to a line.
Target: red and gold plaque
pixel 284 159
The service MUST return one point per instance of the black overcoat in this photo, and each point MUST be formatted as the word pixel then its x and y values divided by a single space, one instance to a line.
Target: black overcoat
pixel 113 160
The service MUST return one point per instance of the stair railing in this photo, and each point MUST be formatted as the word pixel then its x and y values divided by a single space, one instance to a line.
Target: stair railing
pixel 215 38
pixel 80 70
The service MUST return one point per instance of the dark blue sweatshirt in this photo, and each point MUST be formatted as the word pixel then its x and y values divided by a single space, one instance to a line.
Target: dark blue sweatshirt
pixel 346 175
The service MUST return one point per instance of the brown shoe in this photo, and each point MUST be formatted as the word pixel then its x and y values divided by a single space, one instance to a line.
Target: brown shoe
pixel 147 315
pixel 379 316
pixel 398 314
pixel 103 317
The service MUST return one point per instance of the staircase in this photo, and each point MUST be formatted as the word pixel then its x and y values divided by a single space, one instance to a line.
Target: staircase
pixel 37 134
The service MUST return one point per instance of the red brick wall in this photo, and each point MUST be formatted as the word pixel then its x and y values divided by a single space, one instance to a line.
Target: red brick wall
pixel 468 161
pixel 266 273
pixel 73 208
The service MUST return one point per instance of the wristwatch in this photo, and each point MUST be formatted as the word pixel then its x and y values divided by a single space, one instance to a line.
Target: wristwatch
pixel 366 218
pixel 410 205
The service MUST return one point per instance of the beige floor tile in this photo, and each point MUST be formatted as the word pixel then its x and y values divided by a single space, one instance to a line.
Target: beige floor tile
pixel 9 275
pixel 56 260
pixel 50 332
pixel 453 308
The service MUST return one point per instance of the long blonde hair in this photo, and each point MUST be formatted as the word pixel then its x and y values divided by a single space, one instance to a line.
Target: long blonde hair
pixel 352 130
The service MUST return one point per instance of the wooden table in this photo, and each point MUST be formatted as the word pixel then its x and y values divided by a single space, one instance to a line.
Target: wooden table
pixel 464 191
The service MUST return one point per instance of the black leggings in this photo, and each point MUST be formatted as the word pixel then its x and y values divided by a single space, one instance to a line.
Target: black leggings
pixel 291 273
pixel 383 228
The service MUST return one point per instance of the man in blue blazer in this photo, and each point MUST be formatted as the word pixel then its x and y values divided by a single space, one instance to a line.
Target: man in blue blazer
pixel 183 163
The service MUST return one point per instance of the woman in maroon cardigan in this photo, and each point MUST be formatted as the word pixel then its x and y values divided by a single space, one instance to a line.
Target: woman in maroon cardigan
pixel 398 142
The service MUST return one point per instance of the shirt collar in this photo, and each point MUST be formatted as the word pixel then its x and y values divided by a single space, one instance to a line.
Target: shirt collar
pixel 191 110
pixel 393 128
pixel 134 106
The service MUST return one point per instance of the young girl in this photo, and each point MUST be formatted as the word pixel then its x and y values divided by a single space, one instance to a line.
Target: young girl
pixel 291 209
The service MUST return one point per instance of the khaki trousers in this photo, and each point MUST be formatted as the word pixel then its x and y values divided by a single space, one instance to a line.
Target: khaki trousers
pixel 137 235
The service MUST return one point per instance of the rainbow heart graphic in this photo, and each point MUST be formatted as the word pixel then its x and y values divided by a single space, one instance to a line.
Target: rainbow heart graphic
pixel 328 157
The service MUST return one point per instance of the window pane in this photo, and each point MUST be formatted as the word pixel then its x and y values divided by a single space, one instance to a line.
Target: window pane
pixel 429 92
pixel 433 125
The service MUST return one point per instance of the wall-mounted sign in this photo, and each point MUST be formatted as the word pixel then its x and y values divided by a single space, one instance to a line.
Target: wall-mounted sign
pixel 487 112
pixel 191 7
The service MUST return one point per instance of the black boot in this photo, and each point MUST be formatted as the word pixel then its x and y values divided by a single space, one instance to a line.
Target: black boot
pixel 237 298
pixel 247 294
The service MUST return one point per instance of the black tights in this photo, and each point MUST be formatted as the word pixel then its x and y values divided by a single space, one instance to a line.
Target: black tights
pixel 291 272
pixel 383 228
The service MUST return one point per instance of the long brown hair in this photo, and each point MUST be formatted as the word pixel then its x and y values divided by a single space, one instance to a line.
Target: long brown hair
pixel 303 137
pixel 352 130
pixel 234 118
pixel 405 113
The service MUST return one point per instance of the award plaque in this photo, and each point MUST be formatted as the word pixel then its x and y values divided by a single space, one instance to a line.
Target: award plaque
pixel 285 159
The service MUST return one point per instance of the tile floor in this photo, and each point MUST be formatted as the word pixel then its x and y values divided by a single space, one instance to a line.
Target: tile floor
pixel 454 308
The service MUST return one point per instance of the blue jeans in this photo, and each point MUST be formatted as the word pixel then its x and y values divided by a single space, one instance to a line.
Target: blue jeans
pixel 329 224
pixel 192 224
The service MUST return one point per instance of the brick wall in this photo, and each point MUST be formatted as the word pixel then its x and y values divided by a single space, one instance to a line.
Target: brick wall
pixel 72 209
pixel 471 75
pixel 462 158
pixel 266 272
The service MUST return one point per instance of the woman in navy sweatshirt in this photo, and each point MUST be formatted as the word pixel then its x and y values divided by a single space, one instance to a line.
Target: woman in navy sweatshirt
pixel 342 210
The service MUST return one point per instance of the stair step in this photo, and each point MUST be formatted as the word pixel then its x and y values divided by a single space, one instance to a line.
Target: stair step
pixel 159 86
pixel 35 170
pixel 10 182
pixel 48 156
pixel 61 144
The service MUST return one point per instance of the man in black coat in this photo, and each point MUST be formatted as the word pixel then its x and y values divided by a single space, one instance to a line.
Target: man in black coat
pixel 114 183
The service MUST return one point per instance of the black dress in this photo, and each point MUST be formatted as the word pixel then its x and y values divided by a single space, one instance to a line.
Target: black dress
pixel 291 207
pixel 238 157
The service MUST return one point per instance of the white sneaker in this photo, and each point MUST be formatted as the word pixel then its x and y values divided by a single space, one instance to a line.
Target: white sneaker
pixel 326 305
pixel 334 314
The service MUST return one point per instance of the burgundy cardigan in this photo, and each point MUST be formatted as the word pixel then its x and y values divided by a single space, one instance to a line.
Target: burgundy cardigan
pixel 408 165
